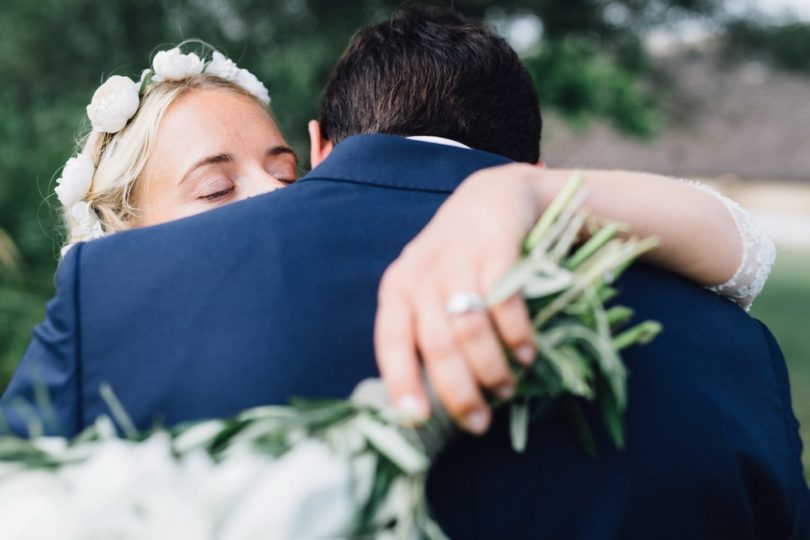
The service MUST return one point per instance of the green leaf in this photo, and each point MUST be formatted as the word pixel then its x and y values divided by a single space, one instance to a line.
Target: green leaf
pixel 573 372
pixel 540 286
pixel 619 315
pixel 553 211
pixel 594 244
pixel 638 335
pixel 583 431
pixel 612 416
pixel 519 425
pixel 389 442
pixel 512 282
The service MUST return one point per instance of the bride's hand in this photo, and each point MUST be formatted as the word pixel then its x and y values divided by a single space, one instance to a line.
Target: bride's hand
pixel 468 245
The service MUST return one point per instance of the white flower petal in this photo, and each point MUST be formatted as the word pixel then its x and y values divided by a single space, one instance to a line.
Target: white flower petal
pixel 77 175
pixel 249 82
pixel 113 104
pixel 173 65
pixel 307 493
pixel 84 223
pixel 223 67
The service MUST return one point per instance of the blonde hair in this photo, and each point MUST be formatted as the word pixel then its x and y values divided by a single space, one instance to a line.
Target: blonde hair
pixel 119 158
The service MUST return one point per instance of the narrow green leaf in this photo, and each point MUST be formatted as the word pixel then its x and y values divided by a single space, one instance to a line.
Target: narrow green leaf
pixel 519 425
pixel 612 416
pixel 512 282
pixel 618 315
pixel 582 429
pixel 594 244
pixel 638 335
pixel 389 442
pixel 540 286
pixel 553 211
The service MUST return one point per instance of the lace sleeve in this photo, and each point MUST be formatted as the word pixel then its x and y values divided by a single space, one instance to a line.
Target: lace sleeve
pixel 759 255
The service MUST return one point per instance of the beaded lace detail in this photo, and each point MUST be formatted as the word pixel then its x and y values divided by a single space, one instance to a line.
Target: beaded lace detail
pixel 759 255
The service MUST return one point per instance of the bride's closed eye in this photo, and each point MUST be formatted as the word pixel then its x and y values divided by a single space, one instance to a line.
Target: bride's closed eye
pixel 218 195
pixel 216 191
pixel 286 181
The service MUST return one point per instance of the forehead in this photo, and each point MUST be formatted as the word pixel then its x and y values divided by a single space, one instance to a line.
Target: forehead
pixel 215 114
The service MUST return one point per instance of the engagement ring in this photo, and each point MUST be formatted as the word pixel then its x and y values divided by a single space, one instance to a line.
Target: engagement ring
pixel 462 303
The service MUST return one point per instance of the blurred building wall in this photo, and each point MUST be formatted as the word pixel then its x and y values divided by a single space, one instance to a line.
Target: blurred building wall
pixel 743 127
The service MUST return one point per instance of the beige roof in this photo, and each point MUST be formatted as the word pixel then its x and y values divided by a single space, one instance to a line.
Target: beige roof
pixel 744 121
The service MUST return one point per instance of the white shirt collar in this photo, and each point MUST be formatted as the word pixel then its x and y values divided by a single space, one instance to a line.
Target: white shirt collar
pixel 438 140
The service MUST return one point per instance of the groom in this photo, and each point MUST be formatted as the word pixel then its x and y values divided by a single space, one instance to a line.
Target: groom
pixel 275 297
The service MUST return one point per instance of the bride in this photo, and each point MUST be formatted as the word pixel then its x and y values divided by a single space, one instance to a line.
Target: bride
pixel 196 133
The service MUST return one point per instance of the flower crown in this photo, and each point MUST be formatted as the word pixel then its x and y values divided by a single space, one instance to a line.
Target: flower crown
pixel 115 102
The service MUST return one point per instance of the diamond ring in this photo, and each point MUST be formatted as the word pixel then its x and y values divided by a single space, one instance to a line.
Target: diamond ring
pixel 463 303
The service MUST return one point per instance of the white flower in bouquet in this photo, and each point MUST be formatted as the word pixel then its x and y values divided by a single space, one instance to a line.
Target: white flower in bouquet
pixel 75 181
pixel 219 487
pixel 136 491
pixel 113 104
pixel 307 493
pixel 35 506
pixel 249 82
pixel 222 66
pixel 173 65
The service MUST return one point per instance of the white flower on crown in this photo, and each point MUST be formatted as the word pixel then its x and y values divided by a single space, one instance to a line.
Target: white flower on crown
pixel 173 65
pixel 223 67
pixel 74 184
pixel 85 224
pixel 113 104
pixel 249 82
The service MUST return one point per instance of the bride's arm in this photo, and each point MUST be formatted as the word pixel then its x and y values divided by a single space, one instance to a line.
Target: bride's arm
pixel 476 236
pixel 704 236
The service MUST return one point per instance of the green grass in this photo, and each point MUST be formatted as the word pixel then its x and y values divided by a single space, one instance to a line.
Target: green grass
pixel 785 307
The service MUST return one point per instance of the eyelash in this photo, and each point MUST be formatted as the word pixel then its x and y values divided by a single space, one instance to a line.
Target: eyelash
pixel 225 192
pixel 218 195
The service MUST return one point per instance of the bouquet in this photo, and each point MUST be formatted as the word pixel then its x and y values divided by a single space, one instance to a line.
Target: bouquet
pixel 334 469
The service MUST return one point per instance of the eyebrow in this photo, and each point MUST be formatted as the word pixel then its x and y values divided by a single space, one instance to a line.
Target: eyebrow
pixel 280 150
pixel 227 158
pixel 210 160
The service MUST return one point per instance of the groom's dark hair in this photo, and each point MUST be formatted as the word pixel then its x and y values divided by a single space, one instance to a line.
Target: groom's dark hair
pixel 429 72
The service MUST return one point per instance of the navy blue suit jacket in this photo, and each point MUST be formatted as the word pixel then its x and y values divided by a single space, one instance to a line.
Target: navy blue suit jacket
pixel 275 297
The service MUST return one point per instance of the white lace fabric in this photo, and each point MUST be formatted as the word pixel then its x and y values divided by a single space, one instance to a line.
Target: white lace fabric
pixel 758 257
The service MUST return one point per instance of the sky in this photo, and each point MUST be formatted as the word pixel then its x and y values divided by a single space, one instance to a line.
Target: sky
pixel 524 32
pixel 776 7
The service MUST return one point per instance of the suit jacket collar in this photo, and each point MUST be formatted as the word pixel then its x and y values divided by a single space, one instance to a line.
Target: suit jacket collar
pixel 391 161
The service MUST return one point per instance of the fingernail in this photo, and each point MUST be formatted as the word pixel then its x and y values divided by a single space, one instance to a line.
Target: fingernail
pixel 525 354
pixel 411 408
pixel 505 391
pixel 477 422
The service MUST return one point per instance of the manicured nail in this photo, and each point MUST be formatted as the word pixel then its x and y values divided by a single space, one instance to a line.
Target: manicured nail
pixel 525 354
pixel 477 422
pixel 411 408
pixel 505 391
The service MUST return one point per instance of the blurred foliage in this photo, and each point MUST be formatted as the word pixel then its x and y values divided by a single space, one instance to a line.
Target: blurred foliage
pixel 581 82
pixel 591 62
pixel 785 45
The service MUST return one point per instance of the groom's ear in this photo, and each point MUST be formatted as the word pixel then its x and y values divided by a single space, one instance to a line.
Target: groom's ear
pixel 540 164
pixel 319 148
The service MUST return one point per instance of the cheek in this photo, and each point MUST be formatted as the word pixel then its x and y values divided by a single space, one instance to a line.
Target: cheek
pixel 158 203
pixel 169 210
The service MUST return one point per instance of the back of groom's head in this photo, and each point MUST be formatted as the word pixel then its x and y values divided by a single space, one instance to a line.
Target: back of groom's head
pixel 427 72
